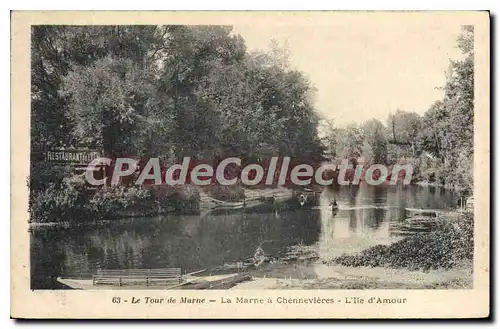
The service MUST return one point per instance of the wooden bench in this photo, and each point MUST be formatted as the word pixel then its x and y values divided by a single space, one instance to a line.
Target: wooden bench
pixel 146 277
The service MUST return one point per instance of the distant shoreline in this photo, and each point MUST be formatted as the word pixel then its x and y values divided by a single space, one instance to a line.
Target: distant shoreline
pixel 445 186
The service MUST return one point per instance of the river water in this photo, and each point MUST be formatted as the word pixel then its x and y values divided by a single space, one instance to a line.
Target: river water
pixel 366 217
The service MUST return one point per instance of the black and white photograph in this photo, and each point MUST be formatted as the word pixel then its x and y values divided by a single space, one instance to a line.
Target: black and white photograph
pixel 320 156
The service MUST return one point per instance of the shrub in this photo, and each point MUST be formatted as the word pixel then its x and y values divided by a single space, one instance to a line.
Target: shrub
pixel 60 202
pixel 444 248
pixel 114 200
pixel 73 200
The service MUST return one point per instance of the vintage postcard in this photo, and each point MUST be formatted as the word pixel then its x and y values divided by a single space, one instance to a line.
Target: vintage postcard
pixel 250 164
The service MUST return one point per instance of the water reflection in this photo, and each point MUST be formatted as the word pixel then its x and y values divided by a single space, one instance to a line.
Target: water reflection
pixel 194 242
pixel 357 225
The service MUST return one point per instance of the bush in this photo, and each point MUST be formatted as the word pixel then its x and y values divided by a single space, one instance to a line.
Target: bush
pixel 184 199
pixel 74 200
pixel 60 202
pixel 116 200
pixel 441 249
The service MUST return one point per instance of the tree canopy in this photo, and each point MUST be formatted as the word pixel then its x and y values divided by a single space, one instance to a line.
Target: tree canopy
pixel 169 91
pixel 176 91
pixel 439 143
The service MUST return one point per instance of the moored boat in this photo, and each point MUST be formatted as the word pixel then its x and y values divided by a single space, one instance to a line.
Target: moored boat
pixel 120 279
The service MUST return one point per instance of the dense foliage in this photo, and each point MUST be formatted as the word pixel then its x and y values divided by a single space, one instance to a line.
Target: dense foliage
pixel 439 144
pixel 72 200
pixel 443 248
pixel 167 90
pixel 160 91
pixel 175 91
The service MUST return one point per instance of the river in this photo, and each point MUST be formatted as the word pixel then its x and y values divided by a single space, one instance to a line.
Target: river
pixel 365 218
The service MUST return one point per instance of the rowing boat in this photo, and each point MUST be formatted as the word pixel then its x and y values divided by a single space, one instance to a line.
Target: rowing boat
pixel 188 282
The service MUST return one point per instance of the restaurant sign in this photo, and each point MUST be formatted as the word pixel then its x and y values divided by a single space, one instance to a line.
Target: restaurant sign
pixel 71 156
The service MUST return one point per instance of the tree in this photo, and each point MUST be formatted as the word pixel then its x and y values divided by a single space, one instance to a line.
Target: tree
pixel 375 143
pixel 169 90
pixel 108 100
pixel 446 145
pixel 350 141
pixel 403 129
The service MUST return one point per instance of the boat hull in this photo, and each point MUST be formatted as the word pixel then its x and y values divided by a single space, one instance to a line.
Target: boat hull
pixel 195 283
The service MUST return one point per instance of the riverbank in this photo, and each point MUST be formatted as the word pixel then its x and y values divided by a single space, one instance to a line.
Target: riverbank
pixel 445 186
pixel 74 201
pixel 81 205
pixel 282 245
pixel 442 259
pixel 448 246
pixel 344 277
pixel 317 275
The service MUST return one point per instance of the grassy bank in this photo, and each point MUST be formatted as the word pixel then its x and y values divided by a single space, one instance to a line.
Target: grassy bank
pixel 72 200
pixel 447 247
pixel 442 259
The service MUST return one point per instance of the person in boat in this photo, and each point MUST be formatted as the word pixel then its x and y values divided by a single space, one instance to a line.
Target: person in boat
pixel 302 199
pixel 259 256
pixel 334 204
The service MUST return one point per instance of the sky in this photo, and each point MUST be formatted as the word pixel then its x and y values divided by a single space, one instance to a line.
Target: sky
pixel 365 69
